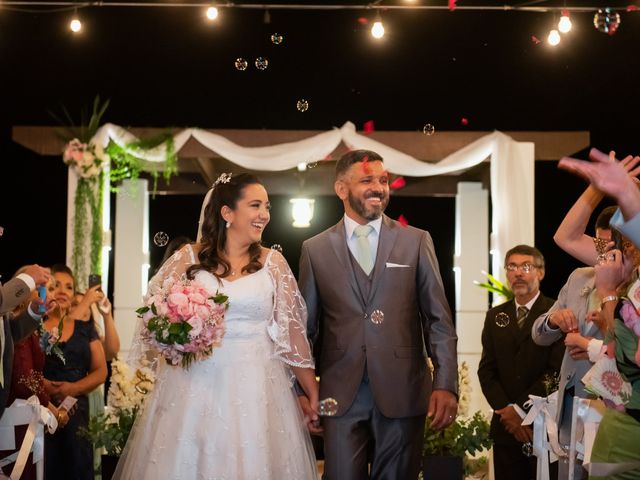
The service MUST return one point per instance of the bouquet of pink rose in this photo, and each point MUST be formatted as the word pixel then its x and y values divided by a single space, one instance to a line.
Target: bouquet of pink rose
pixel 184 323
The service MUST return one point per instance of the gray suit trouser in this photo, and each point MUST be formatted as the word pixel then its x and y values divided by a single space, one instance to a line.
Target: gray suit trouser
pixel 363 435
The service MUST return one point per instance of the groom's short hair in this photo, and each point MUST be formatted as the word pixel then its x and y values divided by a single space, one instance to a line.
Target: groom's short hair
pixel 355 156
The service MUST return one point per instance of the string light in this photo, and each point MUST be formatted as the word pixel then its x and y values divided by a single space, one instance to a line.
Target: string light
pixel 212 13
pixel 75 24
pixel 564 25
pixel 554 37
pixel 377 30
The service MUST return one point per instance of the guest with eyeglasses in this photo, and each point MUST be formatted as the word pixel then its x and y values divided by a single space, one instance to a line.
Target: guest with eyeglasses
pixel 512 366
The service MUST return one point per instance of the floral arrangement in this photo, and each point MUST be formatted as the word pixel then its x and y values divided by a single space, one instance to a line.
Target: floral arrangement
pixel 86 159
pixel 90 160
pixel 183 322
pixel 466 436
pixel 50 341
pixel 110 430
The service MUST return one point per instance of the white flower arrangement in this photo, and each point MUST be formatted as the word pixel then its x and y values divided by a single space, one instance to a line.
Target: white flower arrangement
pixel 87 159
pixel 110 430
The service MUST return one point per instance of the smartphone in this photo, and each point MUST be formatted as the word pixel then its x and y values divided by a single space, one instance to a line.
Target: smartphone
pixel 94 279
pixel 42 293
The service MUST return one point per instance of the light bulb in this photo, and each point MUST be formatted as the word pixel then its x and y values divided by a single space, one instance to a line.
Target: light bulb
pixel 554 37
pixel 564 25
pixel 75 25
pixel 377 31
pixel 212 13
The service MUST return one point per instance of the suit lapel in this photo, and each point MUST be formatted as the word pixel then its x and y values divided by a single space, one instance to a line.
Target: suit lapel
pixel 388 234
pixel 339 243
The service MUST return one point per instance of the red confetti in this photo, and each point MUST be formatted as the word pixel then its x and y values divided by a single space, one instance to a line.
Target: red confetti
pixel 632 8
pixel 535 39
pixel 363 20
pixel 368 127
pixel 398 183
pixel 464 121
pixel 564 12
pixel 365 165
pixel 403 221
pixel 452 5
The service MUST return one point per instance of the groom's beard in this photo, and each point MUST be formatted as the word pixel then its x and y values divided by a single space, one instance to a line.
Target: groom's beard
pixel 369 212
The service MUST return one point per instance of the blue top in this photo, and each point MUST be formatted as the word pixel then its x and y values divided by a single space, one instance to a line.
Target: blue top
pixel 77 354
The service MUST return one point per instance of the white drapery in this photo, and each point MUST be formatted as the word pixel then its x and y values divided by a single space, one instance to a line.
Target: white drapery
pixel 512 168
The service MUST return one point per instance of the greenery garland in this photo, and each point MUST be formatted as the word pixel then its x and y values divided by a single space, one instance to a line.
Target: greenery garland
pixel 88 160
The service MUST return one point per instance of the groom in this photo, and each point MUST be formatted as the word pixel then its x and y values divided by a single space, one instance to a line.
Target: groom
pixel 375 297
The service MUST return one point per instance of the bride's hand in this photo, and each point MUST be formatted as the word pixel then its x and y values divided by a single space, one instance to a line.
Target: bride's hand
pixel 310 411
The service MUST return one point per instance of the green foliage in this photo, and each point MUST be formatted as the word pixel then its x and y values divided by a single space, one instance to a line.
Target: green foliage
pixel 127 164
pixel 496 286
pixel 463 437
pixel 88 125
pixel 110 433
pixel 87 197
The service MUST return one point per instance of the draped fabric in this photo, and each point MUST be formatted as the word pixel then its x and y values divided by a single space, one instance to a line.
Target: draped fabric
pixel 512 168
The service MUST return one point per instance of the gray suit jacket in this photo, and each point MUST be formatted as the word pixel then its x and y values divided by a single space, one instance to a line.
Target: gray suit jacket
pixel 13 293
pixel 416 314
pixel 574 296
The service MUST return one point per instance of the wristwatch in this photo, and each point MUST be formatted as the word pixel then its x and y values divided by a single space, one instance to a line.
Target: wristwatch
pixel 609 298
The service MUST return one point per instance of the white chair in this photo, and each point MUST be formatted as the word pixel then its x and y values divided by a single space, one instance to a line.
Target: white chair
pixel 25 412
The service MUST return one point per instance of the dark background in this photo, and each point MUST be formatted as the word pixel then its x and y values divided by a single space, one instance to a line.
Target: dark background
pixel 167 67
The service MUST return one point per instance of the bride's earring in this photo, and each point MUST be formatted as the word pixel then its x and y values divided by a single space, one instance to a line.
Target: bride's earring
pixel 228 224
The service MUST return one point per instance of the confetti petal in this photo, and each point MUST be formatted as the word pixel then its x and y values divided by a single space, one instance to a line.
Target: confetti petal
pixel 464 121
pixel 368 127
pixel 452 5
pixel 632 8
pixel 398 183
pixel 365 165
pixel 403 221
pixel 535 39
pixel 363 20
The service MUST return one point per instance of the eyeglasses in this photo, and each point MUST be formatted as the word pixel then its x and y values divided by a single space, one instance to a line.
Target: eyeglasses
pixel 525 267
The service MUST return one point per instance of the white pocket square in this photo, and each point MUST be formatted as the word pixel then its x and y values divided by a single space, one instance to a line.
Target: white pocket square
pixel 396 265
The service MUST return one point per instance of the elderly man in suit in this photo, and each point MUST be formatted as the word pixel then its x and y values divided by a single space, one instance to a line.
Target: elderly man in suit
pixel 12 329
pixel 512 366
pixel 374 295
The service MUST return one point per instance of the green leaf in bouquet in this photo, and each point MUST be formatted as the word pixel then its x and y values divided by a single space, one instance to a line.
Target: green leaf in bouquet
pixel 220 298
pixel 142 310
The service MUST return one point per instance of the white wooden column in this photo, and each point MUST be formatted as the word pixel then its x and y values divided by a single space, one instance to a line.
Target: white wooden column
pixel 471 258
pixel 131 261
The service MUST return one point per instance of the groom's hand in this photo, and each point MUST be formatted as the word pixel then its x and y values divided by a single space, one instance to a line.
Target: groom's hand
pixel 311 418
pixel 443 408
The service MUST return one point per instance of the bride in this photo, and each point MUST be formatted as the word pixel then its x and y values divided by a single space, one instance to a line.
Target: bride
pixel 233 415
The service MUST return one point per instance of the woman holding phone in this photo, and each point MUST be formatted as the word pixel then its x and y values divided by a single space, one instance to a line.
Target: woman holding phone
pixel 67 455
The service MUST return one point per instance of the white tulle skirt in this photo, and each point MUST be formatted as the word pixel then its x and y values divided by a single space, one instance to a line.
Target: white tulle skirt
pixel 233 416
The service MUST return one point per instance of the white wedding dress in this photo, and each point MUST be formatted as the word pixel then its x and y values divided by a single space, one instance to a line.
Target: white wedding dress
pixel 234 415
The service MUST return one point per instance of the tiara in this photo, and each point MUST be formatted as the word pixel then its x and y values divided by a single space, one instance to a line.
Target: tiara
pixel 223 178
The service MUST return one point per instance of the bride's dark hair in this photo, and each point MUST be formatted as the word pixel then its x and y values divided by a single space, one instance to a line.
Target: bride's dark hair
pixel 214 228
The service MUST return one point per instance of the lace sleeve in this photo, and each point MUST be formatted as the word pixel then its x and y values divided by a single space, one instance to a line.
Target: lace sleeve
pixel 173 270
pixel 287 326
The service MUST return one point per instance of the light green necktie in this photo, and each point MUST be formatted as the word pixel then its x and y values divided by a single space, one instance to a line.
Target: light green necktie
pixel 363 247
